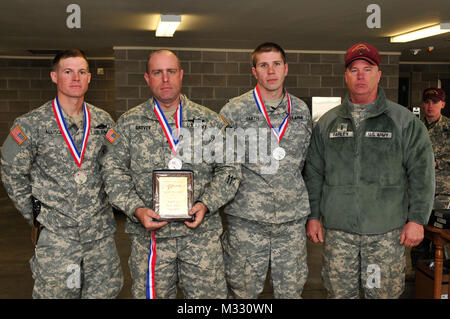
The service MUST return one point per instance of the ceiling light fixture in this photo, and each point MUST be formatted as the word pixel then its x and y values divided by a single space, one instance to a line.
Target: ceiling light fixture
pixel 421 33
pixel 167 25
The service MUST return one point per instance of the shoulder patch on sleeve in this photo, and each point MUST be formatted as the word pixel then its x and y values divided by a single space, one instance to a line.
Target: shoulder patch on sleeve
pixel 223 119
pixel 18 135
pixel 111 135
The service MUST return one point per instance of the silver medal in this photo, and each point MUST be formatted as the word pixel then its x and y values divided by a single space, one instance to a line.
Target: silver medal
pixel 175 163
pixel 279 153
pixel 80 177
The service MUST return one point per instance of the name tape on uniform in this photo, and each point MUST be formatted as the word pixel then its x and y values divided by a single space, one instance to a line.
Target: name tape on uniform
pixel 379 134
pixel 341 134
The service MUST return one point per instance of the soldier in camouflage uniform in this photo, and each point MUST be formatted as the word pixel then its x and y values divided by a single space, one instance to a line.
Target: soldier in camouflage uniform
pixel 266 220
pixel 187 253
pixel 439 129
pixel 75 255
pixel 370 178
pixel 433 101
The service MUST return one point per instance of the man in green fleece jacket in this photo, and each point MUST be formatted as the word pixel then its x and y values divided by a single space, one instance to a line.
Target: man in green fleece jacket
pixel 370 178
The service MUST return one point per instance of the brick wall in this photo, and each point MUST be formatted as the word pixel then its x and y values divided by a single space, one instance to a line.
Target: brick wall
pixel 211 77
pixel 423 76
pixel 25 84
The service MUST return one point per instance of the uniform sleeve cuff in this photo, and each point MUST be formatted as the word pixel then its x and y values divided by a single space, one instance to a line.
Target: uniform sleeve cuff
pixel 131 215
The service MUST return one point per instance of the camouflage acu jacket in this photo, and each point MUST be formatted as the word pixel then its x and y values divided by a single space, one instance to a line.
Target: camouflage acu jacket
pixel 43 166
pixel 275 195
pixel 142 147
pixel 440 138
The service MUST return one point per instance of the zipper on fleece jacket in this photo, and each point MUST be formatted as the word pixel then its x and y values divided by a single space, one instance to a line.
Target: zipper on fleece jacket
pixel 357 168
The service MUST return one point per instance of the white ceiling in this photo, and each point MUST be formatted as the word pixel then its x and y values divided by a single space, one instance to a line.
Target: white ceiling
pixel 233 24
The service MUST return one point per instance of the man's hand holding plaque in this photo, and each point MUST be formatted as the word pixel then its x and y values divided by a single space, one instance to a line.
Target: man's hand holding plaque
pixel 147 216
pixel 198 211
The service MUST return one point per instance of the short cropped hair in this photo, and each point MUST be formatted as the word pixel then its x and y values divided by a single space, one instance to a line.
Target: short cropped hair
pixel 71 53
pixel 268 47
pixel 160 51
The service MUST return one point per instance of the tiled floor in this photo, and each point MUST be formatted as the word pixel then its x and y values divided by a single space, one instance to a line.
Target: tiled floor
pixel 16 250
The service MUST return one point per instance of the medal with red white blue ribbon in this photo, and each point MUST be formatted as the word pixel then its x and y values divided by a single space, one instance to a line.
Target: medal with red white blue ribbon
pixel 77 155
pixel 166 127
pixel 150 287
pixel 279 152
pixel 175 163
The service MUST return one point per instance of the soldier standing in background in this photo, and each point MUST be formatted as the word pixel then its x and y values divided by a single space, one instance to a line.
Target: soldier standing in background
pixel 49 161
pixel 266 220
pixel 439 129
pixel 433 101
pixel 189 253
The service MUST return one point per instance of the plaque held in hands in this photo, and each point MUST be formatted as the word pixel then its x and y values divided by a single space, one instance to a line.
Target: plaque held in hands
pixel 173 194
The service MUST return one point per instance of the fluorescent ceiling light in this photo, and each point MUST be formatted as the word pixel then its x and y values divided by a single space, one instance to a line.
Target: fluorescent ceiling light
pixel 421 33
pixel 167 25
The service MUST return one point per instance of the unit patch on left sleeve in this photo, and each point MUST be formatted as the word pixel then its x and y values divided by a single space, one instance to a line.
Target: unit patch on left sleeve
pixel 225 121
pixel 17 135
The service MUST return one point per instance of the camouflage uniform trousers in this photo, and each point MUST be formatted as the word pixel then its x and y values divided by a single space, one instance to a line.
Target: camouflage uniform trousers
pixel 64 268
pixel 372 263
pixel 195 262
pixel 442 202
pixel 250 246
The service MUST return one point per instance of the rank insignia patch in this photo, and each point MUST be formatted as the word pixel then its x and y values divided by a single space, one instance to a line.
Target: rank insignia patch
pixel 111 135
pixel 18 136
pixel 342 127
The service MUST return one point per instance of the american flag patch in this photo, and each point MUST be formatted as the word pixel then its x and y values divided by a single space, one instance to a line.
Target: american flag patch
pixel 111 135
pixel 18 136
